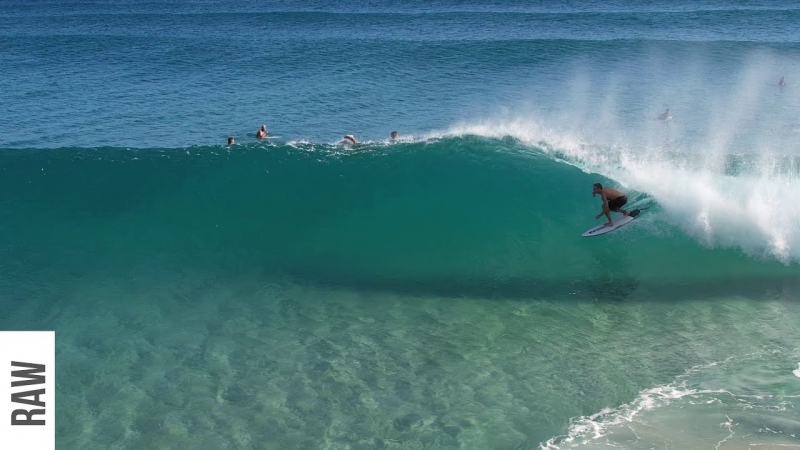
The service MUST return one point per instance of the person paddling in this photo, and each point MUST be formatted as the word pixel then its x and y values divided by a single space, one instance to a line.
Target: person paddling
pixel 349 139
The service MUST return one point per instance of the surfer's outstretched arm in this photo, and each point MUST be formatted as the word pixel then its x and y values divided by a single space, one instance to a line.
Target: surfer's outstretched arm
pixel 601 213
pixel 605 211
pixel 610 222
pixel 597 188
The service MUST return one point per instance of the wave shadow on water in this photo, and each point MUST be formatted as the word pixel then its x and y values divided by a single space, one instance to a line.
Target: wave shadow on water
pixel 605 289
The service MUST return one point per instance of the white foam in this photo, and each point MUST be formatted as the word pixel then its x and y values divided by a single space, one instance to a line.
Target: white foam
pixel 595 426
pixel 684 163
pixel 755 212
pixel 590 428
pixel 598 427
pixel 796 372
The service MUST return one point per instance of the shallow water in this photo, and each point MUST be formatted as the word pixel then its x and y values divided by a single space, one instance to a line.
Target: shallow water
pixel 429 293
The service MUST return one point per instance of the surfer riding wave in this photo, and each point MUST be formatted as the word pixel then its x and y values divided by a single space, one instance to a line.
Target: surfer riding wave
pixel 613 200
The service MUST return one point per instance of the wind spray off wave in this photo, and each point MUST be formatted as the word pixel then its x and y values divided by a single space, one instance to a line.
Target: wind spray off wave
pixel 754 210
pixel 725 169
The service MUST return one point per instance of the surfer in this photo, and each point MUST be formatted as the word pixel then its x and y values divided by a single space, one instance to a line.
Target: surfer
pixel 349 139
pixel 393 136
pixel 613 200
pixel 262 133
pixel 231 141
pixel 665 116
pixel 782 82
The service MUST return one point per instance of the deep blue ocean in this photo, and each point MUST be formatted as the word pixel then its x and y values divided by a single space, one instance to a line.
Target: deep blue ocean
pixel 428 292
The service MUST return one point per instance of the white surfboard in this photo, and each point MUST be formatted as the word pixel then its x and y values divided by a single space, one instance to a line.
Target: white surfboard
pixel 618 222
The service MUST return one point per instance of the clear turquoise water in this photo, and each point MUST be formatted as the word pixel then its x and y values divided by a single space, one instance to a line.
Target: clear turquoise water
pixel 429 293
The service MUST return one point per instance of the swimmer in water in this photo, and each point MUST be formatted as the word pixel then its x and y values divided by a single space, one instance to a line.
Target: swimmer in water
pixel 349 139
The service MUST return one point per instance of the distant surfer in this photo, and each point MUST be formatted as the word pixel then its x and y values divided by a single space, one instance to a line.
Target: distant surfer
pixel 231 141
pixel 393 136
pixel 349 139
pixel 665 116
pixel 613 200
pixel 262 133
pixel 782 83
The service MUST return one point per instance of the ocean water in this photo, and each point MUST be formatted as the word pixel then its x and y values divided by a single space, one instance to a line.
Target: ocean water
pixel 427 293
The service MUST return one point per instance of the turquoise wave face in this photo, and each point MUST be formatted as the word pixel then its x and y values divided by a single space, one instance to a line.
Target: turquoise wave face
pixel 455 216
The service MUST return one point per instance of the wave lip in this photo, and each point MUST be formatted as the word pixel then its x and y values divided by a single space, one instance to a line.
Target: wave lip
pixel 736 200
